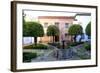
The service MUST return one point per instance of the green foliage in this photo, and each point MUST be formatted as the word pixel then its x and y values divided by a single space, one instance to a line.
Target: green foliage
pixel 75 29
pixel 28 56
pixel 33 29
pixel 75 43
pixel 87 46
pixel 28 47
pixel 82 53
pixel 88 29
pixel 56 44
pixel 52 30
pixel 25 31
pixel 38 46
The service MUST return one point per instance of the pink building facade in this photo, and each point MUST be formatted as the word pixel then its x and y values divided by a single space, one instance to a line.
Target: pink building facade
pixel 62 22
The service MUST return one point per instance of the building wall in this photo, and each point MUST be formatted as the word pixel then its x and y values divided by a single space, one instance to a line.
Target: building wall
pixel 62 27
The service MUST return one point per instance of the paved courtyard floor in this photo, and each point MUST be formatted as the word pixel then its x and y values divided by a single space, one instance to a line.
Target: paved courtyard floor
pixel 56 54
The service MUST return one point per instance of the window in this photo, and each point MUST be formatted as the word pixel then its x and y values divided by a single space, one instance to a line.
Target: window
pixel 66 25
pixel 45 25
pixel 57 24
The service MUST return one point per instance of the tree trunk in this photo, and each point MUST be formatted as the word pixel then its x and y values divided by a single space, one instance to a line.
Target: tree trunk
pixel 80 39
pixel 71 39
pixel 89 37
pixel 35 40
pixel 53 39
pixel 75 38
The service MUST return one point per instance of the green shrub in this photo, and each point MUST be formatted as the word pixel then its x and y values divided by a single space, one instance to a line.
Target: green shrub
pixel 75 43
pixel 28 47
pixel 68 47
pixel 81 52
pixel 56 44
pixel 88 29
pixel 84 56
pixel 38 46
pixel 72 44
pixel 87 46
pixel 28 56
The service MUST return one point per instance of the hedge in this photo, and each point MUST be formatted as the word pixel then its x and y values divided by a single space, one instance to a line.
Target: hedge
pixel 38 46
pixel 28 56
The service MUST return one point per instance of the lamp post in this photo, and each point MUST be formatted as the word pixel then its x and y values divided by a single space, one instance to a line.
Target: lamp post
pixel 63 41
pixel 63 47
pixel 63 44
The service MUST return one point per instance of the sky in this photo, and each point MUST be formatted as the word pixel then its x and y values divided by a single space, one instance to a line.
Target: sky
pixel 32 15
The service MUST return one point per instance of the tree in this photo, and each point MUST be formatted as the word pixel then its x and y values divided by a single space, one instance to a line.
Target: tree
pixel 88 29
pixel 25 30
pixel 52 30
pixel 33 29
pixel 75 30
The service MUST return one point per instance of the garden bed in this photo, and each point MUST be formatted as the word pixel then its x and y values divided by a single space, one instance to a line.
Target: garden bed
pixel 38 46
pixel 27 56
pixel 56 44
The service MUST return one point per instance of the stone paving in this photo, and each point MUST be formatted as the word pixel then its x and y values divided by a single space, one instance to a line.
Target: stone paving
pixel 61 54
